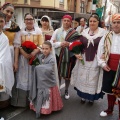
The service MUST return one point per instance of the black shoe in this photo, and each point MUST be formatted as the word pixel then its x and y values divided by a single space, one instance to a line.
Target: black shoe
pixel 83 101
pixel 91 102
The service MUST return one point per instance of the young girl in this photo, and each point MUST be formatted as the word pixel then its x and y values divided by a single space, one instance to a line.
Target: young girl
pixel 45 95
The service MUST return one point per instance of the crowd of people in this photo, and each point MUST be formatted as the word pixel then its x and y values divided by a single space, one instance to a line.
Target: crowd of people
pixel 24 84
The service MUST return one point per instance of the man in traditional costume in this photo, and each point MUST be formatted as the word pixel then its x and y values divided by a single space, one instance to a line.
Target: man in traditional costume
pixel 61 39
pixel 108 59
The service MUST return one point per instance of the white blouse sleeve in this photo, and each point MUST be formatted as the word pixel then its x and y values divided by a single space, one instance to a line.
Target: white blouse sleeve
pixel 55 44
pixel 101 62
pixel 17 39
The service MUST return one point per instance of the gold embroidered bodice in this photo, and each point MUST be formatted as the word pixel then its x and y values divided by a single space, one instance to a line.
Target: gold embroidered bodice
pixel 37 39
pixel 10 36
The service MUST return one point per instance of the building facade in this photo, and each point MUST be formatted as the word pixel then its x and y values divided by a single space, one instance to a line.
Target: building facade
pixel 53 8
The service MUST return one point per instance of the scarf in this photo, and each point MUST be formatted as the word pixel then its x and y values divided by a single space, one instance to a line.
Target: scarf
pixel 107 45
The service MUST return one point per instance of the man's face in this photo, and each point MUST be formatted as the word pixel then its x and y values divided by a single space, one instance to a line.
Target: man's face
pixel 116 26
pixel 82 22
pixel 66 23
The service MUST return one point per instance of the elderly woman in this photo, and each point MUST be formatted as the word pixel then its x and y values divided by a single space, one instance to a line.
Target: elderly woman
pixel 87 78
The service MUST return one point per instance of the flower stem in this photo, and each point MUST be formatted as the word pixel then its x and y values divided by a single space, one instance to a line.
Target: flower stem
pixel 82 61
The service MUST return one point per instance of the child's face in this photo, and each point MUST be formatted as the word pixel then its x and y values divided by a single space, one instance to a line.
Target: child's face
pixel 46 49
pixel 2 23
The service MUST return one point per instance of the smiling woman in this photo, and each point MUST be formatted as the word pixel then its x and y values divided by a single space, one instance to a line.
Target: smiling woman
pixel 11 30
pixel 87 78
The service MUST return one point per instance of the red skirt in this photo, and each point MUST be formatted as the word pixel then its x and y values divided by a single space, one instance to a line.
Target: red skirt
pixel 54 104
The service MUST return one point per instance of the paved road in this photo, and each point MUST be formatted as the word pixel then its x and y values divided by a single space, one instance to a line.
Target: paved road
pixel 73 110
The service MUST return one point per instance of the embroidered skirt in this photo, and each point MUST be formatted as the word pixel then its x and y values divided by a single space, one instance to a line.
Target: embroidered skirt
pixel 54 104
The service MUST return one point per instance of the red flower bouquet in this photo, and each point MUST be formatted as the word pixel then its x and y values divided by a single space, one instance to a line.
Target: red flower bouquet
pixel 28 47
pixel 76 48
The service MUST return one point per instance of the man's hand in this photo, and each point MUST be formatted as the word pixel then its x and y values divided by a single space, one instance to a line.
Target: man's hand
pixel 106 68
pixel 65 44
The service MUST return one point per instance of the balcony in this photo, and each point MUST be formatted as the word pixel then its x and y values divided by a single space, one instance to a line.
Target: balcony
pixel 35 3
pixel 14 2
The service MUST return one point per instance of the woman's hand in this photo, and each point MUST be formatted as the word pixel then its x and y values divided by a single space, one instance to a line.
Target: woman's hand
pixel 35 52
pixel 15 66
pixel 27 56
pixel 78 56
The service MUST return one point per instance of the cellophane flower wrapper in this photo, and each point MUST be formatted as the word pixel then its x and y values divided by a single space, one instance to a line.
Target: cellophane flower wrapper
pixel 77 48
pixel 28 47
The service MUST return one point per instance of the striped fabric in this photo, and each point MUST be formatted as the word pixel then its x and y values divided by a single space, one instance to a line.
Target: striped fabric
pixel 107 45
pixel 64 64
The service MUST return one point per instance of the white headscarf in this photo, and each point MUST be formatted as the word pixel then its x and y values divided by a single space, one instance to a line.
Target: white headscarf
pixel 49 20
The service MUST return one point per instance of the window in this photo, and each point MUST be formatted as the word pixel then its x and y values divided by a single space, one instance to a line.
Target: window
pixel 25 1
pixel 82 8
pixel 61 1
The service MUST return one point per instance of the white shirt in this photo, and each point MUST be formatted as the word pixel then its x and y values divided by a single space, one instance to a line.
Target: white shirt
pixel 54 37
pixel 79 28
pixel 115 48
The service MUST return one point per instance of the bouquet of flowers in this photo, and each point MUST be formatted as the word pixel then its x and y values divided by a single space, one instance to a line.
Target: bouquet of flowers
pixel 77 48
pixel 28 47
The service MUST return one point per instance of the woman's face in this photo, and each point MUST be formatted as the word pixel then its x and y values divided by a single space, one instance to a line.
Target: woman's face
pixel 29 21
pixel 45 24
pixel 93 23
pixel 8 11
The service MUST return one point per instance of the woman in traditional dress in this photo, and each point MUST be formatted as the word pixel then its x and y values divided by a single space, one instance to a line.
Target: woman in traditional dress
pixel 46 27
pixel 25 71
pixel 45 95
pixel 11 30
pixel 87 78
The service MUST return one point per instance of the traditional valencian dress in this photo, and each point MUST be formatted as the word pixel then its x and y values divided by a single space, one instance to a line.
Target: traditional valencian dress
pixel 25 71
pixel 45 96
pixel 11 30
pixel 87 78
pixel 6 70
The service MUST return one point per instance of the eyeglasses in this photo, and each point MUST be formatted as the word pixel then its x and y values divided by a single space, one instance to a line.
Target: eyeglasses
pixel 118 22
pixel 29 19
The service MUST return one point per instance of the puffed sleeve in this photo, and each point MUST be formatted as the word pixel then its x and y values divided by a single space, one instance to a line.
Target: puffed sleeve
pixel 40 37
pixel 17 39
pixel 53 38
pixel 100 52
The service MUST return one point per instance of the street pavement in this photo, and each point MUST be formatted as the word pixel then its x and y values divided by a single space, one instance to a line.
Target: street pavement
pixel 72 110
